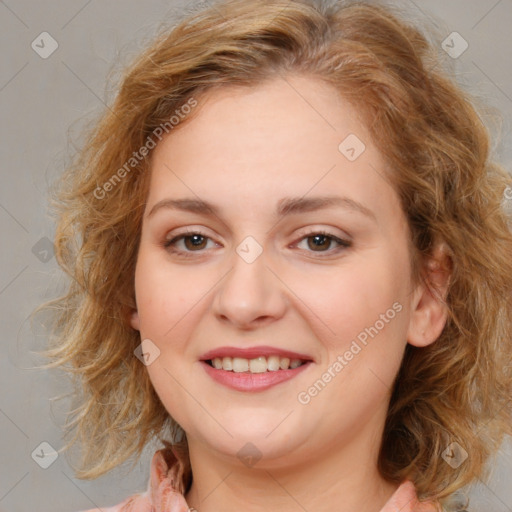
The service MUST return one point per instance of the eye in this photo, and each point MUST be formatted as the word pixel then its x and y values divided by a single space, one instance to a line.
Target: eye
pixel 321 240
pixel 194 241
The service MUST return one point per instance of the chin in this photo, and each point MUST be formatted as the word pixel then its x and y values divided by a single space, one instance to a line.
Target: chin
pixel 265 437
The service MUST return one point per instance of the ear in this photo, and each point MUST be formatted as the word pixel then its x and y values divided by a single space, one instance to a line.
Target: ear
pixel 134 320
pixel 428 309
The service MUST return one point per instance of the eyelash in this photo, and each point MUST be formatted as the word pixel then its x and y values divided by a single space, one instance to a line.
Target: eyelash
pixel 343 244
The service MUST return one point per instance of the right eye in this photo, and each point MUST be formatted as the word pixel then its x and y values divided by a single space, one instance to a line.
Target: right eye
pixel 194 241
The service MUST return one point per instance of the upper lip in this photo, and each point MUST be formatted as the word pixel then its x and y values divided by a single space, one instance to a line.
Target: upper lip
pixel 253 352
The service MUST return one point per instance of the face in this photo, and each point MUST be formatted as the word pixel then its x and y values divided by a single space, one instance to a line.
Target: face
pixel 270 270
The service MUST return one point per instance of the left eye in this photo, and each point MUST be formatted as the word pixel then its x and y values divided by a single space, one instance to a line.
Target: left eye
pixel 321 240
pixel 196 241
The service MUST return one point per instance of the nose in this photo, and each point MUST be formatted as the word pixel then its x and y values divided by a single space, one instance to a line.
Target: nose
pixel 250 294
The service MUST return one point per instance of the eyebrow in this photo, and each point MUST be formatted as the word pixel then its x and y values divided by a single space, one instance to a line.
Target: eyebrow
pixel 286 206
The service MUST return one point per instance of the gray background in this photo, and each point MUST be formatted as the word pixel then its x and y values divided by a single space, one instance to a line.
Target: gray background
pixel 44 104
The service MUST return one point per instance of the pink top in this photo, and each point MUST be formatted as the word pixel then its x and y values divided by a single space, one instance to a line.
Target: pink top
pixel 168 480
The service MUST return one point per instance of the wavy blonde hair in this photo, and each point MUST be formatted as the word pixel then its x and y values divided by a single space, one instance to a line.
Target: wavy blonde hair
pixel 456 389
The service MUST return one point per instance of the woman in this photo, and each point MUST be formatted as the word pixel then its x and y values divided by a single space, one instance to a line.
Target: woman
pixel 291 251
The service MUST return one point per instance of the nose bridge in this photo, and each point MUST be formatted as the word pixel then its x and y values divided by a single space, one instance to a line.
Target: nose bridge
pixel 249 291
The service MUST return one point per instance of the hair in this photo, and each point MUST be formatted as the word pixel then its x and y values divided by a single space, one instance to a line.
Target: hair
pixel 436 148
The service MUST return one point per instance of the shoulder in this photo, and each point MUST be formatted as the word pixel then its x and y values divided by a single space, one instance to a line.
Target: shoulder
pixel 169 477
pixel 405 499
pixel 135 503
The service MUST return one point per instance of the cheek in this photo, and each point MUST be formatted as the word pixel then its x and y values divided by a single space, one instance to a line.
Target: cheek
pixel 166 294
pixel 168 302
pixel 344 302
pixel 377 320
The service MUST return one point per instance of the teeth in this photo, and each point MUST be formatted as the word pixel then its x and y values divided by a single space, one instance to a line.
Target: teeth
pixel 240 365
pixel 227 363
pixel 273 363
pixel 258 365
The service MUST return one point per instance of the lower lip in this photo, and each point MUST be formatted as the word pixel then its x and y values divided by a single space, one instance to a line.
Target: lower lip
pixel 252 381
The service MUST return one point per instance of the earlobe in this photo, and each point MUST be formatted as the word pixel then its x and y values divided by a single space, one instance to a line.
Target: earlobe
pixel 429 311
pixel 134 320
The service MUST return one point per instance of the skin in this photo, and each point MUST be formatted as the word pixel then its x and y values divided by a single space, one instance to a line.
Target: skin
pixel 244 150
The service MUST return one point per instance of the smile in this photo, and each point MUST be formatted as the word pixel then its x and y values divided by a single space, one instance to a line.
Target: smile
pixel 260 364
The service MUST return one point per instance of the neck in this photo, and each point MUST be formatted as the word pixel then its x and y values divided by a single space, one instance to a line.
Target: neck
pixel 342 479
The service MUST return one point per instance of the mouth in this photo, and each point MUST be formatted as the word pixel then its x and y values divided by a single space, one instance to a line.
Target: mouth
pixel 259 364
pixel 255 368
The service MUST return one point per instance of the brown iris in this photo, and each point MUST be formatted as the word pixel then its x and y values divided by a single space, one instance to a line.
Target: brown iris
pixel 315 246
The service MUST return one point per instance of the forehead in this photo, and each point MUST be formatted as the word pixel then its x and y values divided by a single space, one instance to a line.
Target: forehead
pixel 290 109
pixel 293 134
